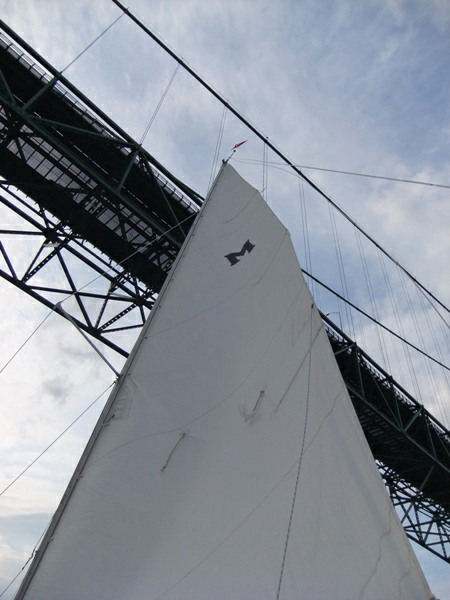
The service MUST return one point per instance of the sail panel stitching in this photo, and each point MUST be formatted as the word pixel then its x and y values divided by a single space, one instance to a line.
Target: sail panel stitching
pixel 300 460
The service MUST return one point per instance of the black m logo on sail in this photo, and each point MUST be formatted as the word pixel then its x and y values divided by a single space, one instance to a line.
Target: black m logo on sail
pixel 234 257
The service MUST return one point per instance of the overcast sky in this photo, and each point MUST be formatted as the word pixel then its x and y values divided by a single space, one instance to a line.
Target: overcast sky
pixel 343 85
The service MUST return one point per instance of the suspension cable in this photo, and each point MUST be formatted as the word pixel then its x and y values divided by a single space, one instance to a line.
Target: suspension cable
pixel 438 362
pixel 272 146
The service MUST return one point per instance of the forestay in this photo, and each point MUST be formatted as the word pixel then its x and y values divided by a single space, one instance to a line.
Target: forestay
pixel 229 462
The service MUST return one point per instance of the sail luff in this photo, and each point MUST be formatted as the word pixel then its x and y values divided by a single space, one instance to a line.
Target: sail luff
pixel 102 421
pixel 191 490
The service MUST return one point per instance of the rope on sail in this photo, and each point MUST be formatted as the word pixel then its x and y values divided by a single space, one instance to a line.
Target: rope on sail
pixel 180 439
pixel 300 459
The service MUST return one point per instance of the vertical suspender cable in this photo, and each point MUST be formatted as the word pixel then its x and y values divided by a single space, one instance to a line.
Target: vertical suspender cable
pixel 274 149
pixel 217 149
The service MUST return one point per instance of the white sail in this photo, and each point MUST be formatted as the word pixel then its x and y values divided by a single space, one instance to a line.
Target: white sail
pixel 230 463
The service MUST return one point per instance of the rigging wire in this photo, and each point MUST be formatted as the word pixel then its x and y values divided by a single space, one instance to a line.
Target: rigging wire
pixel 218 146
pixel 91 44
pixel 428 376
pixel 56 78
pixel 55 440
pixel 58 307
pixel 437 346
pixel 399 324
pixel 8 362
pixel 87 339
pixel 436 382
pixel 265 172
pixel 355 173
pixel 305 232
pixel 32 555
pixel 427 293
pixel 341 269
pixel 161 100
pixel 372 299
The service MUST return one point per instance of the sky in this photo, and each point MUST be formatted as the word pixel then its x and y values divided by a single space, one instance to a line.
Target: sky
pixel 343 85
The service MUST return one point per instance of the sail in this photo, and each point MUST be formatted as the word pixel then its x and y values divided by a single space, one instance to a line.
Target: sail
pixel 229 462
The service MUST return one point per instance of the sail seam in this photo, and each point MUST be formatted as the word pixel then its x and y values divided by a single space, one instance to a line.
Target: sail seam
pixel 300 460
pixel 221 402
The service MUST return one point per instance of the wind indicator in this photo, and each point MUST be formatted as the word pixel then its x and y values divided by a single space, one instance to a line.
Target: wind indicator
pixel 233 150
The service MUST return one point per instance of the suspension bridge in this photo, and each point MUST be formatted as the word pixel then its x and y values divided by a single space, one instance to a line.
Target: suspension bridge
pixel 93 196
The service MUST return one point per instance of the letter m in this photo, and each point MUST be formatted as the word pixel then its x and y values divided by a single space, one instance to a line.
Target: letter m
pixel 234 257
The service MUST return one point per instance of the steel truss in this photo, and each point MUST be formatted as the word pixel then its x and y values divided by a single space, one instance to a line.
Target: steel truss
pixel 62 266
pixel 410 446
pixel 89 192
pixel 423 520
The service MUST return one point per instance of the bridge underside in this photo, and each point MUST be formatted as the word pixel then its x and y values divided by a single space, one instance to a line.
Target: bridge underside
pixel 86 194
pixel 89 194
